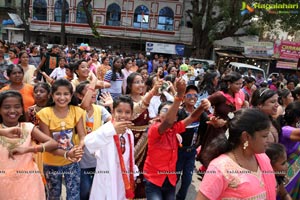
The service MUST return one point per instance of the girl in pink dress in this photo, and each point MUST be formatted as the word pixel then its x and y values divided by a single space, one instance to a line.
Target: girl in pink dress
pixel 19 175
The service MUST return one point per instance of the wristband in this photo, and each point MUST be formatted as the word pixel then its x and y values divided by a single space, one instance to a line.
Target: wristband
pixel 177 98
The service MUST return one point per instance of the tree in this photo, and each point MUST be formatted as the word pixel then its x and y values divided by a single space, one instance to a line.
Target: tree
pixel 25 16
pixel 63 23
pixel 89 17
pixel 216 19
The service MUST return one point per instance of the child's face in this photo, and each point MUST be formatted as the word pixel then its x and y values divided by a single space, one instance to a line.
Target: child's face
pixel 281 165
pixel 40 95
pixel 62 62
pixel 69 73
pixel 83 70
pixel 122 112
pixel 11 110
pixel 62 96
pixel 144 74
pixel 84 91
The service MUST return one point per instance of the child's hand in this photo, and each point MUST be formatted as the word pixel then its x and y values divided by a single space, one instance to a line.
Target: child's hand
pixel 75 154
pixel 121 127
pixel 12 132
pixel 18 151
pixel 216 122
pixel 180 86
pixel 205 104
pixel 107 100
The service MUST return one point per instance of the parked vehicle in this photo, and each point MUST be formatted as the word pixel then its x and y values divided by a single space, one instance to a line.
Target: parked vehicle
pixel 244 69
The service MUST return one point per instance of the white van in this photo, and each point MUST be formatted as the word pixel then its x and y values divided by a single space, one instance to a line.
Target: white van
pixel 243 69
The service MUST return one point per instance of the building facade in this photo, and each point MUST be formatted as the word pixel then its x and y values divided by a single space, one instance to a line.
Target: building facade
pixel 119 22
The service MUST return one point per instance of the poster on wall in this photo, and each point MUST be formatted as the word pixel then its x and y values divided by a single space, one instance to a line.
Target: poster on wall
pixel 262 49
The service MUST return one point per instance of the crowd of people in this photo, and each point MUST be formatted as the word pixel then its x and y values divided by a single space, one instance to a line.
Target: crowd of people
pixel 129 127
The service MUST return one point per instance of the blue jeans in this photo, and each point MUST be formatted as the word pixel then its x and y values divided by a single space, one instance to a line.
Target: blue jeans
pixel 53 175
pixel 165 192
pixel 185 164
pixel 86 181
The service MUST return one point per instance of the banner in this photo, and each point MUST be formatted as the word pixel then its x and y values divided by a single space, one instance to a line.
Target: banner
pixel 287 50
pixel 262 49
pixel 175 49
pixel 286 65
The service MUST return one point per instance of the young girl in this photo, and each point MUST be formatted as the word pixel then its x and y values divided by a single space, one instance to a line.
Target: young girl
pixel 115 78
pixel 126 72
pixel 277 154
pixel 94 116
pixel 41 95
pixel 62 121
pixel 113 146
pixel 16 153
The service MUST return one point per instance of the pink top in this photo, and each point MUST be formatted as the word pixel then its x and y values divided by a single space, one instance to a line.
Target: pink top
pixel 225 179
pixel 19 178
pixel 237 101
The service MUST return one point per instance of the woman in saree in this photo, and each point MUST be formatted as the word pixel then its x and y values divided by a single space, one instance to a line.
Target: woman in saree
pixel 135 89
pixel 290 138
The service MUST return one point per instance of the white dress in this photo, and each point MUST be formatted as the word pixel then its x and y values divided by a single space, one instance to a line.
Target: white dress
pixel 108 182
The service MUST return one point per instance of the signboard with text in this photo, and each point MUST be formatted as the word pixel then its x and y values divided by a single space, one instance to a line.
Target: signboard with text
pixel 263 49
pixel 175 49
pixel 287 50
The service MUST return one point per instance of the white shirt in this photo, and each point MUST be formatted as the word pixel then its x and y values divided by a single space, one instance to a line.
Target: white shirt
pixel 108 182
pixel 58 73
pixel 155 103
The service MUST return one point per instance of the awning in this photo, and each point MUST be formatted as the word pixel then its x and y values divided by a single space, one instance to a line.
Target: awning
pixel 230 54
pixel 16 19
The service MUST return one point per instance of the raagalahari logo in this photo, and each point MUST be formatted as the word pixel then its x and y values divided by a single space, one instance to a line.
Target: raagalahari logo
pixel 271 8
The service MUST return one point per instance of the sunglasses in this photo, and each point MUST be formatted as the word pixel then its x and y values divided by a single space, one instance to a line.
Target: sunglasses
pixel 191 96
pixel 122 143
pixel 164 110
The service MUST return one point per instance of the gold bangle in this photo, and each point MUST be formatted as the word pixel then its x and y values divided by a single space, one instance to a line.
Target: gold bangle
pixel 65 154
pixel 44 148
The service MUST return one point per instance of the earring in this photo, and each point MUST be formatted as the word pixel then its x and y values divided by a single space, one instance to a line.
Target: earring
pixel 245 145
pixel 228 87
pixel 298 124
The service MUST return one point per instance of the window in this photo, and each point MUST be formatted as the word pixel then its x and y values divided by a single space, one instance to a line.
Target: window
pixel 141 17
pixel 58 9
pixel 40 10
pixel 113 15
pixel 166 19
pixel 80 14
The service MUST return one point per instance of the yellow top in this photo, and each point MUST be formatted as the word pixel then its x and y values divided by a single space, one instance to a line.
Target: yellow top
pixel 62 130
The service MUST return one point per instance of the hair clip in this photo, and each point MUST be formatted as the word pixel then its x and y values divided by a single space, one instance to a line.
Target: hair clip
pixel 263 92
pixel 227 134
pixel 230 115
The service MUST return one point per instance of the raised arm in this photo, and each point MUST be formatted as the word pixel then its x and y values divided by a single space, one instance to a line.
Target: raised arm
pixel 205 105
pixel 172 112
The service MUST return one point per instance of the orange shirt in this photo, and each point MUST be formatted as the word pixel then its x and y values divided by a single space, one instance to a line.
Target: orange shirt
pixel 27 95
pixel 162 154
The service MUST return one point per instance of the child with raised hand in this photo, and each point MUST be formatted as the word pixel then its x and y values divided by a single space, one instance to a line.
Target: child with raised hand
pixel 63 121
pixel 160 164
pixel 113 146
pixel 94 116
pixel 16 148
pixel 277 154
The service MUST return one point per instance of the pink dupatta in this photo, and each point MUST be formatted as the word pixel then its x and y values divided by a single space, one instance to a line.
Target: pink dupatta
pixel 267 174
pixel 237 101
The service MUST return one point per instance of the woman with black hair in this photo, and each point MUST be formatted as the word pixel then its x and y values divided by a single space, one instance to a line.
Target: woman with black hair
pixel 238 166
pixel 229 99
pixel 285 98
pixel 115 78
pixel 266 100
